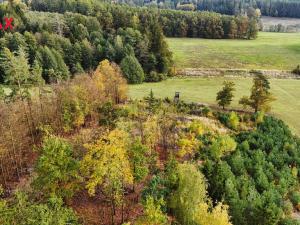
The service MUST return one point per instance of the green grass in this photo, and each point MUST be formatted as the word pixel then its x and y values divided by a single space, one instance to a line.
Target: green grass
pixel 280 51
pixel 287 92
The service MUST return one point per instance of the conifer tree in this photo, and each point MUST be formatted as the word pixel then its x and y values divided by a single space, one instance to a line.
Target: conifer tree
pixel 224 97
pixel 132 70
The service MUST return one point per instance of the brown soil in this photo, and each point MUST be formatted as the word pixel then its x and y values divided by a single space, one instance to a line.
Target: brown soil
pixel 97 210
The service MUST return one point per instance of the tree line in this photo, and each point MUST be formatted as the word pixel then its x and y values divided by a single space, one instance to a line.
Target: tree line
pixel 207 25
pixel 275 8
pixel 174 23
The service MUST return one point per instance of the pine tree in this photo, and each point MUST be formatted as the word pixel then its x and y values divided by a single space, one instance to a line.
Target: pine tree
pixel 153 104
pixel 224 97
pixel 260 97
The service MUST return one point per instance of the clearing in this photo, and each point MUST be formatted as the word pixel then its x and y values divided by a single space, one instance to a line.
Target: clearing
pixel 287 92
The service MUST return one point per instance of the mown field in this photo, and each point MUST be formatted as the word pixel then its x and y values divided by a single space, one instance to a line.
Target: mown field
pixel 287 92
pixel 269 51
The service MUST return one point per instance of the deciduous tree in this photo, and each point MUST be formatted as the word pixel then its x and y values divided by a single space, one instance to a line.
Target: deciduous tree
pixel 106 164
pixel 109 79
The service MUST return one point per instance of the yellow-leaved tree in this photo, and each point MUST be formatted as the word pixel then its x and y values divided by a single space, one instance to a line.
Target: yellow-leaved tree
pixel 217 216
pixel 191 204
pixel 106 165
pixel 153 214
pixel 108 77
pixel 188 145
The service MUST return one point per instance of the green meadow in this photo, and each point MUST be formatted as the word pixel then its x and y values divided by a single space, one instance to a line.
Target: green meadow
pixel 280 51
pixel 287 92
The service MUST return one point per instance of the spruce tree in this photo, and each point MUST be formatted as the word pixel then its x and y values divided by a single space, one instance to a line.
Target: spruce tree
pixel 132 70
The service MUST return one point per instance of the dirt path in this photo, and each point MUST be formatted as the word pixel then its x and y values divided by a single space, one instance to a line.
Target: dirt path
pixel 204 72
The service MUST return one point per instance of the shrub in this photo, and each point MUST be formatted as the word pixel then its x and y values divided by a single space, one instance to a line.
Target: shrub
pixel 153 76
pixel 259 117
pixel 233 121
pixel 296 70
pixel 246 117
pixel 206 111
pixel 288 207
pixel 223 117
pixel 108 114
pixel 222 146
pixel 295 198
pixel 23 211
pixel 289 221
pixel 153 213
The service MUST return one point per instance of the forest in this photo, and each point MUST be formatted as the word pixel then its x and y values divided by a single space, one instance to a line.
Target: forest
pixel 69 43
pixel 76 149
pixel 275 8
pixel 80 153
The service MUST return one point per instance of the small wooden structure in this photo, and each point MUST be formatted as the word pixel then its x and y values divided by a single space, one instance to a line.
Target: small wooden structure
pixel 176 97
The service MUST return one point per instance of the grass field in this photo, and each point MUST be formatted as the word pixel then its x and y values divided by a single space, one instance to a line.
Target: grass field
pixel 269 51
pixel 287 92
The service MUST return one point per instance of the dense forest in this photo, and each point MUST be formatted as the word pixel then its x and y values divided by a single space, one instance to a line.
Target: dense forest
pixel 275 8
pixel 64 43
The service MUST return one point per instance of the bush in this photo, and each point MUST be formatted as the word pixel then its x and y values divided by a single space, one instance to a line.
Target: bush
pixel 295 198
pixel 233 121
pixel 296 70
pixel 206 111
pixel 259 117
pixel 222 146
pixel 289 221
pixel 223 117
pixel 246 118
pixel 155 77
pixel 288 207
pixel 24 211
pixel 109 114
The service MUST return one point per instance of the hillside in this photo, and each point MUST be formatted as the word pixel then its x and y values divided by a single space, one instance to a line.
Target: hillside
pixel 91 133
